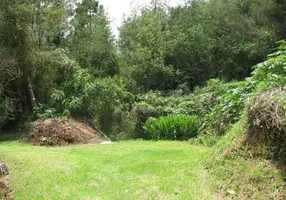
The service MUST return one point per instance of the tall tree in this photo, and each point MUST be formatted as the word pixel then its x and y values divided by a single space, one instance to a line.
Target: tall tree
pixel 26 27
pixel 91 42
pixel 200 40
pixel 144 42
pixel 191 52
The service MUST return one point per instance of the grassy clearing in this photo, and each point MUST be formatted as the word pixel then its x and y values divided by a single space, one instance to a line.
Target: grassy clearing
pixel 142 170
pixel 125 170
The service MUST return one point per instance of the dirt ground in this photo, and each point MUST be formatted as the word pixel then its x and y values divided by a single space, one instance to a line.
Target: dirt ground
pixel 58 132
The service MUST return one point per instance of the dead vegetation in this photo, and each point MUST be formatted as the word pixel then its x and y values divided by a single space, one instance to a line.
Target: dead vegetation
pixel 5 190
pixel 267 123
pixel 267 110
pixel 58 132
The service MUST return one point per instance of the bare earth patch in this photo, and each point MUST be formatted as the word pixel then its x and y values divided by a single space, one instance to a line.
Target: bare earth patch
pixel 58 132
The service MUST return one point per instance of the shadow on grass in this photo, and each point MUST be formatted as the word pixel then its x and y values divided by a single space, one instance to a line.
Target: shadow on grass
pixel 13 136
pixel 280 163
pixel 269 144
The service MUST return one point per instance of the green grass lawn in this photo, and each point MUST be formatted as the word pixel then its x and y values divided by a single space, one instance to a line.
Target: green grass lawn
pixel 125 170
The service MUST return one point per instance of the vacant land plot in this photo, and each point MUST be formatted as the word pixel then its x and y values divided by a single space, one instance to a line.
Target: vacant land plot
pixel 125 170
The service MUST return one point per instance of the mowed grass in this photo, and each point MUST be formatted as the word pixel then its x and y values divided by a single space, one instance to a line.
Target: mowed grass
pixel 124 170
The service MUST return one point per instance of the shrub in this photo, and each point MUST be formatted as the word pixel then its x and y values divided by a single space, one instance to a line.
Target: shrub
pixel 100 102
pixel 272 72
pixel 172 127
pixel 199 103
pixel 141 112
pixel 167 105
pixel 212 86
pixel 228 109
pixel 266 110
pixel 232 102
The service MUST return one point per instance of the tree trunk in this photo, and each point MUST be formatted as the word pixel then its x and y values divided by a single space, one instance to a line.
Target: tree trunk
pixel 32 94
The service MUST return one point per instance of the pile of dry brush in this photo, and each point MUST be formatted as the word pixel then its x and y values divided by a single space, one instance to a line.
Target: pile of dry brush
pixel 267 121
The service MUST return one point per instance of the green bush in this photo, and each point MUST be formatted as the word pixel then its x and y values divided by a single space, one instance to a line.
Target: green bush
pixel 172 127
pixel 170 104
pixel 199 103
pixel 101 102
pixel 228 109
pixel 272 72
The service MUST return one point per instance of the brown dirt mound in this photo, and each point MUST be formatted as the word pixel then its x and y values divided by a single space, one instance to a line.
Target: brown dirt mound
pixel 57 132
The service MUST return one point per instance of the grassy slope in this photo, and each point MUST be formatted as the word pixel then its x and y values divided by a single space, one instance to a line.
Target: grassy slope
pixel 241 174
pixel 126 170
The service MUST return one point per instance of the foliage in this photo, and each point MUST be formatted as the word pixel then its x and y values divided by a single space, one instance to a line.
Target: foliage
pixel 228 109
pixel 28 28
pixel 165 104
pixel 91 42
pixel 172 127
pixel 109 103
pixel 191 51
pixel 208 95
pixel 143 44
pixel 59 58
pixel 140 113
pixel 93 100
pixel 218 104
pixel 198 102
pixel 246 149
pixel 272 72
pixel 187 45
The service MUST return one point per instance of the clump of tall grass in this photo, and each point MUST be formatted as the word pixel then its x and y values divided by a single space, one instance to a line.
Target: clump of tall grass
pixel 172 127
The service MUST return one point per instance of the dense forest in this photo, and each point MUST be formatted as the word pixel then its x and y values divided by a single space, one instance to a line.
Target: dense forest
pixel 59 58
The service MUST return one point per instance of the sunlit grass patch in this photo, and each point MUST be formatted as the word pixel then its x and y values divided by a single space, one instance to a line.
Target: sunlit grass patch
pixel 125 170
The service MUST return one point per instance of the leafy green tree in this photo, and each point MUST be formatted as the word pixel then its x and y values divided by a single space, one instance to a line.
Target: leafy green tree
pixel 91 42
pixel 49 21
pixel 198 41
pixel 144 42
pixel 26 27
pixel 241 38
pixel 191 52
